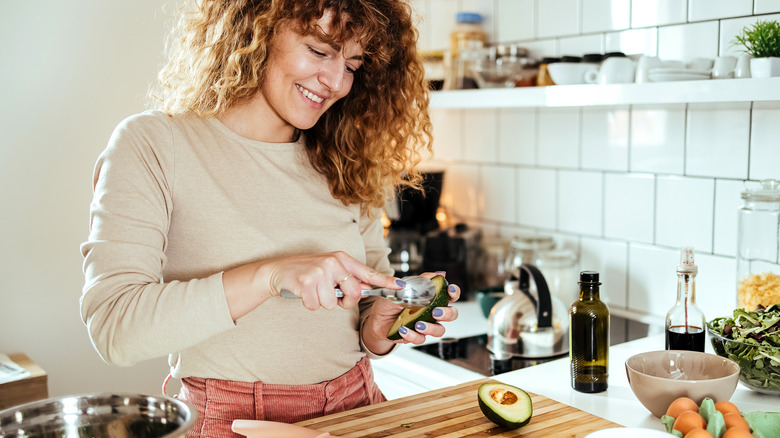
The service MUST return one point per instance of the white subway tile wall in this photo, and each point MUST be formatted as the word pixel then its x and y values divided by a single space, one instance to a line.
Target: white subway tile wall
pixel 605 138
pixel 624 187
pixel 717 140
pixel 764 135
pixel 699 10
pixel 517 136
pixel 595 17
pixel 658 12
pixel 633 41
pixel 629 202
pixel 558 135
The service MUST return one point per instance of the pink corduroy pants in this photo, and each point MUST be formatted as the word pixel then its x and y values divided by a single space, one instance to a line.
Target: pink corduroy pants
pixel 219 402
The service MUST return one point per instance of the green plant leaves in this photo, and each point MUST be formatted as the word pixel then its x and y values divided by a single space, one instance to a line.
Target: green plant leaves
pixel 761 40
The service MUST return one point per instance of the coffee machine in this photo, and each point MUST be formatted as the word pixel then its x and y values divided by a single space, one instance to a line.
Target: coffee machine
pixel 418 243
pixel 412 215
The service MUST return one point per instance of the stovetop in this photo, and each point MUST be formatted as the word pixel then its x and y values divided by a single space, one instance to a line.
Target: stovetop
pixel 472 354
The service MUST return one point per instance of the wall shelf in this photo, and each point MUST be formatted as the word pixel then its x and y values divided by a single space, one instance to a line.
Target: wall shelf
pixel 706 91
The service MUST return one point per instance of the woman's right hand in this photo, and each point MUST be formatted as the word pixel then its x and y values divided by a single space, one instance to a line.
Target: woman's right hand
pixel 313 278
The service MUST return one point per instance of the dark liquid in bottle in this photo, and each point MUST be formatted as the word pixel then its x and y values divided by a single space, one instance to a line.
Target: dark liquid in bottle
pixel 591 379
pixel 680 338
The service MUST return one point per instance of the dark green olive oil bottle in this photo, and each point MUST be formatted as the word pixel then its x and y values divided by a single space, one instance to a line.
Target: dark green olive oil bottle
pixel 589 337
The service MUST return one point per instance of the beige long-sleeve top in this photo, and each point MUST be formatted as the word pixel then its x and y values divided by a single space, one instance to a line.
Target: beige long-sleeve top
pixel 177 201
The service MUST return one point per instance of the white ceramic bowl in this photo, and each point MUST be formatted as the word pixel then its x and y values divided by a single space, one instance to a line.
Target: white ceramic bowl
pixel 569 73
pixel 659 377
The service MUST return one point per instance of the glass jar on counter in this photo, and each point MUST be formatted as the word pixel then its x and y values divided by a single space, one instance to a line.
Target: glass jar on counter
pixel 524 248
pixel 758 245
pixel 433 62
pixel 559 267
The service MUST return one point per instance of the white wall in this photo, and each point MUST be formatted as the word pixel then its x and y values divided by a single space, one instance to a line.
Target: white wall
pixel 625 187
pixel 71 70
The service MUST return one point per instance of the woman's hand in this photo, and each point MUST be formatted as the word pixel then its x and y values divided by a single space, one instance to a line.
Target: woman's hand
pixel 314 278
pixel 384 313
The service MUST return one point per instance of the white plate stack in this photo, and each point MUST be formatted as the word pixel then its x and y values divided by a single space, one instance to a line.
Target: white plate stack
pixel 663 74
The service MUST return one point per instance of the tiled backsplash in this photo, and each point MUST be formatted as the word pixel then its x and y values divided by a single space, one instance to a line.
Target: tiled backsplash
pixel 625 187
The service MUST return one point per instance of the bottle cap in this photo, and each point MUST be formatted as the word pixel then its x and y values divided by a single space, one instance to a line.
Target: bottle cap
pixel 468 17
pixel 687 264
pixel 589 277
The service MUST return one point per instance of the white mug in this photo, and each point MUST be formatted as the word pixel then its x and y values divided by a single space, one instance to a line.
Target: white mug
pixel 701 64
pixel 742 69
pixel 643 67
pixel 613 70
pixel 724 66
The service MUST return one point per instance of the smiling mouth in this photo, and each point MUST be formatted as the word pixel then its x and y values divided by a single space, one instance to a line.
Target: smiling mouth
pixel 309 95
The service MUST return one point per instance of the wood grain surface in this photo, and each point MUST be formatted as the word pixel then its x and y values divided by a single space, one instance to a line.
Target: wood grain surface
pixel 454 412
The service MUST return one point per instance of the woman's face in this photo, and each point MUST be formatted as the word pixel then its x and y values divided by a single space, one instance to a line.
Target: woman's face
pixel 305 76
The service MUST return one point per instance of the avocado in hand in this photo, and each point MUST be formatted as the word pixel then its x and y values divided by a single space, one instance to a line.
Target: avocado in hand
pixel 505 405
pixel 409 317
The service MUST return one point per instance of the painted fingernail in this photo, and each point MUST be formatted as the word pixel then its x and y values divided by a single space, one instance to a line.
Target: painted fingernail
pixel 420 325
pixel 441 272
pixel 437 312
pixel 403 330
pixel 451 289
pixel 400 283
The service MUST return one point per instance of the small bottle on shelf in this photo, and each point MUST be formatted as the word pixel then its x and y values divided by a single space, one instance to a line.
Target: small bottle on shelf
pixel 685 321
pixel 589 337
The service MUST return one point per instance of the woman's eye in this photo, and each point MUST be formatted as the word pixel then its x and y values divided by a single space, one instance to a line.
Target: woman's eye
pixel 316 52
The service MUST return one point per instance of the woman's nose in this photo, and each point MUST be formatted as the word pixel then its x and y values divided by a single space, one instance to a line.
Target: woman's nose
pixel 332 75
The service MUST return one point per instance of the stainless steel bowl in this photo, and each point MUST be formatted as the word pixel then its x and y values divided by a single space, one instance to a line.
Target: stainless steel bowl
pixel 99 416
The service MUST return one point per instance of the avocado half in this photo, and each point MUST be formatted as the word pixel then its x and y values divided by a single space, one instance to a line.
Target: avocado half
pixel 409 317
pixel 505 405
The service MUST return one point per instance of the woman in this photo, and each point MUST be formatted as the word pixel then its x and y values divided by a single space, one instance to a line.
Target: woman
pixel 281 124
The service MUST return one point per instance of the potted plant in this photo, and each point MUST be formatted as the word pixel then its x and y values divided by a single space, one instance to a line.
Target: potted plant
pixel 762 42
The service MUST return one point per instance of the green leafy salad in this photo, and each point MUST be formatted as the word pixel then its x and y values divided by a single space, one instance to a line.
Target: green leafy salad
pixel 758 349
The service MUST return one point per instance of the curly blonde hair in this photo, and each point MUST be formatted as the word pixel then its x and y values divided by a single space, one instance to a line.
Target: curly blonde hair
pixel 370 140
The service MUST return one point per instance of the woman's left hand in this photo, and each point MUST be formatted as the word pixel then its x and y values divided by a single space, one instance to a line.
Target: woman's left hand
pixel 384 313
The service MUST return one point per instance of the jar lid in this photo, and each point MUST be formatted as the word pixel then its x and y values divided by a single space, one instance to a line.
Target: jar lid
pixel 532 241
pixel 468 17
pixel 550 60
pixel 768 192
pixel 556 258
pixel 511 50
pixel 568 58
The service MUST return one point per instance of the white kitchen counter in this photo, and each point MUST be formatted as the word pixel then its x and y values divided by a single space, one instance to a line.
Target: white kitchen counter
pixel 408 371
pixel 617 403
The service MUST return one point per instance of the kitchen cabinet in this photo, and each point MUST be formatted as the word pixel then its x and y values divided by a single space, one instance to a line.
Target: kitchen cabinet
pixel 706 91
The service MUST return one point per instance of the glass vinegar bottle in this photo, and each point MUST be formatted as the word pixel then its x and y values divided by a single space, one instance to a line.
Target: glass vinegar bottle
pixel 589 337
pixel 685 321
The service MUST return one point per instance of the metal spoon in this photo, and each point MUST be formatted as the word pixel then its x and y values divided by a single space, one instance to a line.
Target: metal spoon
pixel 418 292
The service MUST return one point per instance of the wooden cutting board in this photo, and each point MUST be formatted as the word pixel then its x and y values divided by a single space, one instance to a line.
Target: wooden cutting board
pixel 453 412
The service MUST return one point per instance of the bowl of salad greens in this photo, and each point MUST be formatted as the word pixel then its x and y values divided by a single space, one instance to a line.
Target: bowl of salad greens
pixel 751 339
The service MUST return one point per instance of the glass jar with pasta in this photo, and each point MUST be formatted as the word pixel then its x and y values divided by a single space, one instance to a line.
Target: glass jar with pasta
pixel 758 246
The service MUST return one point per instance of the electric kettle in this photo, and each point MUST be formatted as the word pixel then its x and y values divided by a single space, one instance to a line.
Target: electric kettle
pixel 528 322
